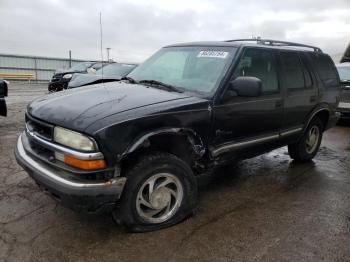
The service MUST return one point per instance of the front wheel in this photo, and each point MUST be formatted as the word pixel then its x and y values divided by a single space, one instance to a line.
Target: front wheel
pixel 161 191
pixel 307 147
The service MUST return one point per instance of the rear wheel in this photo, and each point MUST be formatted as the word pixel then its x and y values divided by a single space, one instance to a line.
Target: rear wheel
pixel 307 147
pixel 160 191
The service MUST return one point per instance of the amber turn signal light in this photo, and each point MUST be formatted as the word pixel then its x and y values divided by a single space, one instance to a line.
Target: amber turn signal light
pixel 85 164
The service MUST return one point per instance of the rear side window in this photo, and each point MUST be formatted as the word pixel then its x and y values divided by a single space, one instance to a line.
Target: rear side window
pixel 294 70
pixel 326 70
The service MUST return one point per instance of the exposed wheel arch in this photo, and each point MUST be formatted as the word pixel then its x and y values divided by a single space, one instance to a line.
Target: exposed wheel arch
pixel 181 142
pixel 322 114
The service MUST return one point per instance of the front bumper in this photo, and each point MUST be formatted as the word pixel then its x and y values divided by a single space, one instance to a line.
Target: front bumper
pixel 344 109
pixel 80 195
pixel 58 85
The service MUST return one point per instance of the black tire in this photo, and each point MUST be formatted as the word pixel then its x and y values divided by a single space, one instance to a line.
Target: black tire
pixel 300 151
pixel 148 167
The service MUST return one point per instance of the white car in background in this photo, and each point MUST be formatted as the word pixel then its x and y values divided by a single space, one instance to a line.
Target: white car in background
pixel 344 105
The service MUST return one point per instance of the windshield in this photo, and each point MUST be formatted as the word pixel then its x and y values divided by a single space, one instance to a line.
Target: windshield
pixel 344 73
pixel 81 67
pixel 118 70
pixel 193 69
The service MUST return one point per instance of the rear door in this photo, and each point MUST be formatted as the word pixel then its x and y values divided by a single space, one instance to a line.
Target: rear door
pixel 301 91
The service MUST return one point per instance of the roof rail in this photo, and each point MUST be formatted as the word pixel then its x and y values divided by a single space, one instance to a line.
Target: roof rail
pixel 261 41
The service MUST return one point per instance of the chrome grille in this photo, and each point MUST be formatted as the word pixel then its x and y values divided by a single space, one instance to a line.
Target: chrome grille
pixel 345 95
pixel 39 128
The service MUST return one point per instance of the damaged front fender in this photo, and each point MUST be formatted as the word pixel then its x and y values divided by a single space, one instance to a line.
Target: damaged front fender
pixel 191 136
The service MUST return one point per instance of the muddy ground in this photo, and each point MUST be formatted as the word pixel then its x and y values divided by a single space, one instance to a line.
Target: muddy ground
pixel 263 209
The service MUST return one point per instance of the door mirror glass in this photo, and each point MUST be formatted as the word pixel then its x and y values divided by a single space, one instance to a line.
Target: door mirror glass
pixel 246 86
pixel 3 88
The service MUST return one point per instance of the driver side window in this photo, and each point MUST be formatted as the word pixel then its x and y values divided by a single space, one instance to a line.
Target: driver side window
pixel 261 64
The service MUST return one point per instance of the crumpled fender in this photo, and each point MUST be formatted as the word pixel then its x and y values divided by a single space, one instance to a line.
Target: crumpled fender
pixel 192 137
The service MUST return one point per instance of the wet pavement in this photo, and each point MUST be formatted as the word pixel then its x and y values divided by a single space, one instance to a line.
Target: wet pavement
pixel 263 209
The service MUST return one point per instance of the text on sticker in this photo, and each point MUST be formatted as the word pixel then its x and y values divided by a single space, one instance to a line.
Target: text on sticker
pixel 216 54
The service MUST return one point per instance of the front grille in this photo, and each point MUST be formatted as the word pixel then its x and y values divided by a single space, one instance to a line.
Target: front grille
pixel 39 128
pixel 345 115
pixel 56 78
pixel 345 95
pixel 41 151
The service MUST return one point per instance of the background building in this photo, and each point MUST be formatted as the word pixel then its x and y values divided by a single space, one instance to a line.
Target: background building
pixel 39 67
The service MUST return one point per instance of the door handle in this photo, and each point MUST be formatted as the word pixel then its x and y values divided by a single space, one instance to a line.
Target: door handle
pixel 278 104
pixel 312 99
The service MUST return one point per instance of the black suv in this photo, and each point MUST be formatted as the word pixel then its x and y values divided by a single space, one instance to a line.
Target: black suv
pixel 60 80
pixel 136 147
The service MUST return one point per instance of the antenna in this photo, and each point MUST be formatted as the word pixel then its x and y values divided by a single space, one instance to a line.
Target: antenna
pixel 101 46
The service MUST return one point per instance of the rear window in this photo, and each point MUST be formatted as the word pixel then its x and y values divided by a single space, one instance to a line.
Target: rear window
pixel 326 70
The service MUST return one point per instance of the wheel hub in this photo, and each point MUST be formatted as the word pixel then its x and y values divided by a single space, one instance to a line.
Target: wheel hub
pixel 160 198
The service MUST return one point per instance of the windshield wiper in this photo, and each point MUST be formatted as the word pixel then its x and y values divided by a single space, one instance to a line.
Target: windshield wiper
pixel 130 79
pixel 161 84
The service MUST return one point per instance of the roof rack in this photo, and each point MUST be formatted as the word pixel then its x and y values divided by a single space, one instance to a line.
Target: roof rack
pixel 258 40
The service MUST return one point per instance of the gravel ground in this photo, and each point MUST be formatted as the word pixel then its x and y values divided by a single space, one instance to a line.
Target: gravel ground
pixel 263 209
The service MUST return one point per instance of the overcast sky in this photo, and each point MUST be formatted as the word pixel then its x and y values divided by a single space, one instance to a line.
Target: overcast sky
pixel 135 29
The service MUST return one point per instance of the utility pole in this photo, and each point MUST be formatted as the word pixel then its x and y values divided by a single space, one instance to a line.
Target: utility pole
pixel 70 58
pixel 108 48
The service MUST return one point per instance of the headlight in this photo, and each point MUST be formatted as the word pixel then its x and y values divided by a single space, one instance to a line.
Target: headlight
pixel 67 76
pixel 74 139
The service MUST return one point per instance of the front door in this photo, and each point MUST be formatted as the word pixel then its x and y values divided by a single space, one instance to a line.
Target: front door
pixel 244 122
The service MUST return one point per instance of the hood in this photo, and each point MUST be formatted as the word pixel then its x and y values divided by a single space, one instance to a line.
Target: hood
pixel 88 79
pixel 78 108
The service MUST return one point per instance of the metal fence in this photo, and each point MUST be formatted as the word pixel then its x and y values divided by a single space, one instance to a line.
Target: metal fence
pixel 42 68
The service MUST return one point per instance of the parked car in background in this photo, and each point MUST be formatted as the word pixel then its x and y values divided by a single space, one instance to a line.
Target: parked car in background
pixel 109 73
pixel 61 79
pixel 3 94
pixel 344 74
pixel 136 147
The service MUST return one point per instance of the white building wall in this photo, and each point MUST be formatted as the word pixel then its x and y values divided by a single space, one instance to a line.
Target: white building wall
pixel 42 67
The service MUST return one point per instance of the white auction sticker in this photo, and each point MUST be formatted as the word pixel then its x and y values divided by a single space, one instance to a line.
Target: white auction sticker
pixel 216 54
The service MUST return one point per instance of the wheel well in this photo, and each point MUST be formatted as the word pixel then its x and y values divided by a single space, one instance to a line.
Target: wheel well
pixel 177 145
pixel 323 116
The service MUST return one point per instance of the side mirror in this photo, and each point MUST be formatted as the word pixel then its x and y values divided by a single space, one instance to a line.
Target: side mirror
pixel 246 86
pixel 3 88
